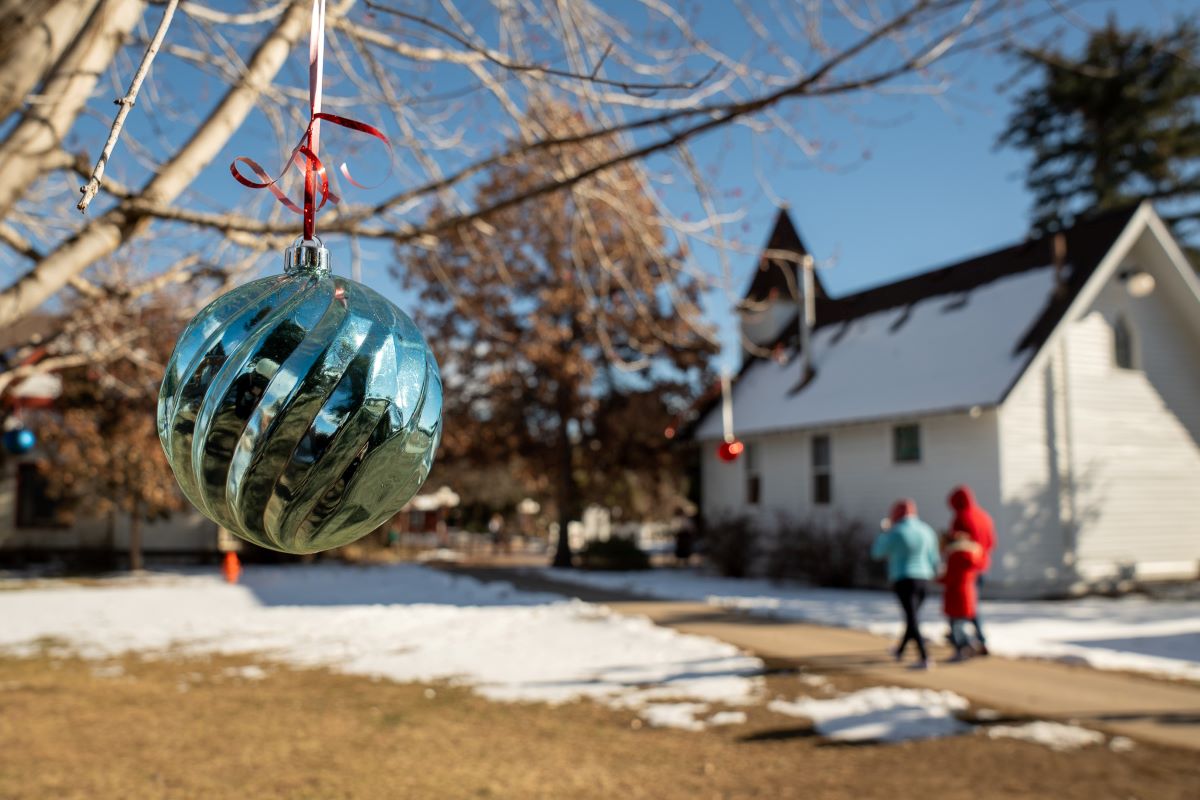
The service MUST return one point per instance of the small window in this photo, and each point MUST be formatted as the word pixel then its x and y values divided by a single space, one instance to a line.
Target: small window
pixel 1122 344
pixel 906 444
pixel 35 508
pixel 753 481
pixel 822 475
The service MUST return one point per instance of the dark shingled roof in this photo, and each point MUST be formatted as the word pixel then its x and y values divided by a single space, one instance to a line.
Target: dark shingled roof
pixel 1083 247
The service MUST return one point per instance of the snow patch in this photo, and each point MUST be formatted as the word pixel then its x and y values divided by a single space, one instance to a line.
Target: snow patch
pixel 674 715
pixel 399 622
pixel 1121 744
pixel 1054 735
pixel 728 718
pixel 880 713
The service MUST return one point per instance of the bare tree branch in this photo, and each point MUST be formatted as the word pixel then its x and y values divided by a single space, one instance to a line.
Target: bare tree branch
pixel 716 116
pixel 34 37
pixel 89 189
pixel 402 73
pixel 39 133
pixel 106 233
pixel 537 70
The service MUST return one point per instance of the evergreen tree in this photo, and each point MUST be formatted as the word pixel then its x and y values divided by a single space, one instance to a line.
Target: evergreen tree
pixel 1118 123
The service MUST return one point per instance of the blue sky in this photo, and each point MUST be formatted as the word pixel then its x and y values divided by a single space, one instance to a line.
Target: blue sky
pixel 932 187
pixel 906 182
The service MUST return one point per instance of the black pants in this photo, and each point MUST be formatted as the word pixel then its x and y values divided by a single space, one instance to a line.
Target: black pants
pixel 911 593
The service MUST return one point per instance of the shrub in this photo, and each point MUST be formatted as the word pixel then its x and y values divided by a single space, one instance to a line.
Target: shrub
pixel 827 552
pixel 730 544
pixel 614 553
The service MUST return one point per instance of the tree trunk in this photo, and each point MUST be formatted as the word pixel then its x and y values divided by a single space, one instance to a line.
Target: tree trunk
pixel 566 487
pixel 135 538
pixel 110 541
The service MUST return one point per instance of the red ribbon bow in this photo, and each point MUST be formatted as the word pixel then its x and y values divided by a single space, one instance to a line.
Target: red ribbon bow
pixel 304 154
pixel 317 190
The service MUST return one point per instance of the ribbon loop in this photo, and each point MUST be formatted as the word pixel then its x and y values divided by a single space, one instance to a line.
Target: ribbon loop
pixel 317 189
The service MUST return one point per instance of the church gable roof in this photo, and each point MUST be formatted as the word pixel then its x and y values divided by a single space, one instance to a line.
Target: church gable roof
pixel 949 339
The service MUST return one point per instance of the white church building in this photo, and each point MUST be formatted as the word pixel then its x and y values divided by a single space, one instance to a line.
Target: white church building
pixel 1059 378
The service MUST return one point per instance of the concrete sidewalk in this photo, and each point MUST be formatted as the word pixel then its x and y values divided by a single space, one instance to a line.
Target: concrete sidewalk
pixel 1140 707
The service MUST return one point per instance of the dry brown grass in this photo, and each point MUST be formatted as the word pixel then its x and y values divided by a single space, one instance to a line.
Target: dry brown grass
pixel 186 729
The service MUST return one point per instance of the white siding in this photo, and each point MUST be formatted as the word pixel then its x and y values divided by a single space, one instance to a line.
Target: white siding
pixel 954 449
pixel 1100 465
pixel 1138 438
pixel 722 485
pixel 1031 538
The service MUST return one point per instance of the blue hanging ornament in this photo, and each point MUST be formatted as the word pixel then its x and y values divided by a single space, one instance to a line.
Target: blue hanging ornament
pixel 19 441
pixel 301 411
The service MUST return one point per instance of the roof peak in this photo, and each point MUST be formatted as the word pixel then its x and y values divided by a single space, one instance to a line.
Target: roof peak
pixel 784 235
pixel 779 262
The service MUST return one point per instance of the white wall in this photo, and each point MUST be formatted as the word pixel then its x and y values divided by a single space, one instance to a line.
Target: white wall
pixel 1138 437
pixel 955 449
pixel 1033 543
pixel 1100 465
pixel 722 485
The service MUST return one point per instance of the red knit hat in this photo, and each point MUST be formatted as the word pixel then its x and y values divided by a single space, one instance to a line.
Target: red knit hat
pixel 903 508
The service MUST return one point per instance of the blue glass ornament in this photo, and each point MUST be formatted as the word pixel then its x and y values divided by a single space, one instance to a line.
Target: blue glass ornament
pixel 19 441
pixel 301 411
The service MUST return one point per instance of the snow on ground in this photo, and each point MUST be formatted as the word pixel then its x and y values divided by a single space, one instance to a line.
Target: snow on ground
pixel 1121 744
pixel 402 622
pixel 675 715
pixel 411 623
pixel 1054 735
pixel 1129 633
pixel 881 713
pixel 728 718
pixel 688 716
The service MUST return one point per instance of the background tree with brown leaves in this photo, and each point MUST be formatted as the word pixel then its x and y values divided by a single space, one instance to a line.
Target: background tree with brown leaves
pixel 555 325
pixel 103 458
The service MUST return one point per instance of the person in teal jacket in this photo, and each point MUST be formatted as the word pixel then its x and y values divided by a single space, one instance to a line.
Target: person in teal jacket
pixel 911 550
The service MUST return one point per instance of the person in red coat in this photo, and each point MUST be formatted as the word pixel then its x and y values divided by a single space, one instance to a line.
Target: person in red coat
pixel 960 595
pixel 972 520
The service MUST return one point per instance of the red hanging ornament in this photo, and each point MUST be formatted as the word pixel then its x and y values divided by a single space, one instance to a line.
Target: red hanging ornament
pixel 729 451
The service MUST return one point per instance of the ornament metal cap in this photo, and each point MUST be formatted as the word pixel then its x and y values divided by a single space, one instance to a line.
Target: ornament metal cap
pixel 307 256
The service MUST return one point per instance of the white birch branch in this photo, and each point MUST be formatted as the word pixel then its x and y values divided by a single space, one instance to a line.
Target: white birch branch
pixel 90 189
pixel 109 231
